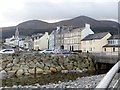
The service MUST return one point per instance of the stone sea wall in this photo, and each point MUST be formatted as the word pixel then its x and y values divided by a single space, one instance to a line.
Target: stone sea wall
pixel 33 64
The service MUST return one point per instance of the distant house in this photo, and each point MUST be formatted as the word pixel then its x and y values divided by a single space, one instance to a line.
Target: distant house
pixel 28 43
pixel 95 42
pixel 40 41
pixel 69 37
pixel 21 42
pixel 113 44
pixel 14 40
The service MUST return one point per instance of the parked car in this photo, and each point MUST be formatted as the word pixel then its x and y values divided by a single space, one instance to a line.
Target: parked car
pixel 66 52
pixel 47 51
pixel 7 51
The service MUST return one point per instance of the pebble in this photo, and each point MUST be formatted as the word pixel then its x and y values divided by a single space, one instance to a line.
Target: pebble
pixel 83 82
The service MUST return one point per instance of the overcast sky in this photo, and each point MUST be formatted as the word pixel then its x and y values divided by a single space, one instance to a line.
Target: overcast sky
pixel 13 12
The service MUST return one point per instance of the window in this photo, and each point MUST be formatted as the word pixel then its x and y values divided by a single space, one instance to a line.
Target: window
pixel 113 49
pixel 90 49
pixel 84 42
pixel 104 49
pixel 93 40
pixel 84 49
pixel 90 42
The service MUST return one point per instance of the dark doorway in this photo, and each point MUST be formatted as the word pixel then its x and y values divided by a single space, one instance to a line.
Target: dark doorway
pixel 72 48
pixel 62 47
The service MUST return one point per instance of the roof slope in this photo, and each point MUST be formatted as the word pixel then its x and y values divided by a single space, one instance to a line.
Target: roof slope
pixel 95 36
pixel 114 37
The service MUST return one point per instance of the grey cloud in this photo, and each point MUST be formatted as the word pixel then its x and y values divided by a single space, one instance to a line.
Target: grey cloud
pixel 48 11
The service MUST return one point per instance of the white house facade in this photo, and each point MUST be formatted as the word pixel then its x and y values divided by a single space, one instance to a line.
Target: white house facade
pixel 51 41
pixel 40 41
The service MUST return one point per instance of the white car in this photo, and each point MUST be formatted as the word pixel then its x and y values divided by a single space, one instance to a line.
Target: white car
pixel 47 51
pixel 7 51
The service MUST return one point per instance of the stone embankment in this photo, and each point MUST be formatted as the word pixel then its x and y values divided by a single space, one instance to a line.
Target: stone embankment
pixel 33 64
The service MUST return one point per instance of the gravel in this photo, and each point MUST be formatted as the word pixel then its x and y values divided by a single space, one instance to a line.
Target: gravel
pixel 84 82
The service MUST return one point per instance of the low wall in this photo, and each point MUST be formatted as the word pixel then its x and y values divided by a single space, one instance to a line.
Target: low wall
pixel 33 64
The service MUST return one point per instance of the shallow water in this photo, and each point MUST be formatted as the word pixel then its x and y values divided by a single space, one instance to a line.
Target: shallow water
pixel 47 78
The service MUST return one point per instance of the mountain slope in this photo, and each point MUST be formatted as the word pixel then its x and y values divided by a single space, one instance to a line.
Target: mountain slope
pixel 37 26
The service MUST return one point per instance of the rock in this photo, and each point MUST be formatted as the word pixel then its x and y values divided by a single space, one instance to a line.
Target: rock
pixel 31 71
pixel 16 67
pixel 53 70
pixel 20 72
pixel 24 67
pixel 62 67
pixel 15 61
pixel 69 67
pixel 27 74
pixel 32 64
pixel 11 73
pixel 46 68
pixel 39 70
pixel 1 68
pixel 4 65
pixel 10 65
pixel 64 71
pixel 22 59
pixel 58 68
pixel 84 69
pixel 78 70
pixel 3 74
pixel 41 65
pixel 8 69
pixel 38 64
pixel 14 86
pixel 46 72
pixel 10 58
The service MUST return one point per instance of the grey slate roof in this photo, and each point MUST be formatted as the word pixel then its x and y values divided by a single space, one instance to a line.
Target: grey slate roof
pixel 114 37
pixel 111 45
pixel 95 36
pixel 66 29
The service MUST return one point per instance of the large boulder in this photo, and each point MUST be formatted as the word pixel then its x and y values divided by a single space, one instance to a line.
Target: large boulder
pixel 39 71
pixel 10 65
pixel 16 67
pixel 11 73
pixel 20 72
pixel 1 68
pixel 46 72
pixel 64 71
pixel 58 68
pixel 3 74
pixel 38 64
pixel 24 67
pixel 15 60
pixel 53 70
pixel 32 71
pixel 10 58
pixel 31 64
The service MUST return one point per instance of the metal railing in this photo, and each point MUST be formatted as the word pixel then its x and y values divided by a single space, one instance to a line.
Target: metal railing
pixel 105 82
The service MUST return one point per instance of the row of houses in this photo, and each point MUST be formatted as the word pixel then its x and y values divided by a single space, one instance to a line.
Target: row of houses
pixel 70 38
pixel 75 39
pixel 34 42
